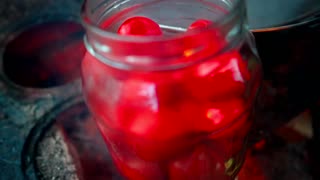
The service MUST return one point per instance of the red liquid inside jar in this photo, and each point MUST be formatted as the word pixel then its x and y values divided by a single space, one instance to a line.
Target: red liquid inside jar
pixel 180 123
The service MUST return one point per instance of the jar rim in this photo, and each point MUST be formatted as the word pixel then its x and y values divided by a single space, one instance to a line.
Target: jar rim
pixel 90 25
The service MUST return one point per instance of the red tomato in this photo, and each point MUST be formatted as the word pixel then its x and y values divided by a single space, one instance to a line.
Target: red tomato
pixel 162 150
pixel 233 137
pixel 159 136
pixel 137 107
pixel 128 163
pixel 168 132
pixel 221 114
pixel 223 77
pixel 200 164
pixel 139 26
pixel 201 23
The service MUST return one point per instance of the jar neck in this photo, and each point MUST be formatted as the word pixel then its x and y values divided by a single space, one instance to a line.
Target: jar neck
pixel 165 52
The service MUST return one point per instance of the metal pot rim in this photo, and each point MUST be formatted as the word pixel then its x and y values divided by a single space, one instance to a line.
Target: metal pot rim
pixel 284 27
pixel 274 15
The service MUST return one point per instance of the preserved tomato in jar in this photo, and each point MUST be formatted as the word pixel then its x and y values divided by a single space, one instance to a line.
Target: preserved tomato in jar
pixel 172 85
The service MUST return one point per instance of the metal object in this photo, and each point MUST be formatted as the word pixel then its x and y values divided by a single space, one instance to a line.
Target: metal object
pixel 273 15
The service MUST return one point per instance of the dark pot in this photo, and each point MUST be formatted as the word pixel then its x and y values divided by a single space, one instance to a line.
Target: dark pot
pixel 288 44
pixel 287 33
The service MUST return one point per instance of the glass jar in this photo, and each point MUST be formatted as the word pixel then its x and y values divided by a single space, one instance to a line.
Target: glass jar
pixel 174 102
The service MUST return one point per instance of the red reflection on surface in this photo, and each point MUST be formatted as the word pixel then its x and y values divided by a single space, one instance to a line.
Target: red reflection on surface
pixel 260 145
pixel 45 55
pixel 252 169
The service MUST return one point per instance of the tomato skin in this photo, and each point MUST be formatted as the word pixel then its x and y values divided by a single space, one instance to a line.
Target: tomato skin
pixel 139 26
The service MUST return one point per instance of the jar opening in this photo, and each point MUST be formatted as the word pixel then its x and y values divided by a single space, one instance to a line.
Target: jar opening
pixel 176 46
pixel 94 13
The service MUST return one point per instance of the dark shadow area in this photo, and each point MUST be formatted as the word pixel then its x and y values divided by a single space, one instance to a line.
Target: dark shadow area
pixel 45 55
pixel 291 64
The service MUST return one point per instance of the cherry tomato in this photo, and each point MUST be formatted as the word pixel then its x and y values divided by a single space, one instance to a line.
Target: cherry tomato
pixel 139 26
pixel 198 24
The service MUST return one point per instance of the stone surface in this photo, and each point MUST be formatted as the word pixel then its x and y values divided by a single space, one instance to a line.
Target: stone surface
pixel 21 108
pixel 53 157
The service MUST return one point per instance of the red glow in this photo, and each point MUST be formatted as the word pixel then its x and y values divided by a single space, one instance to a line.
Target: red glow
pixel 260 145
pixel 252 170
pixel 157 121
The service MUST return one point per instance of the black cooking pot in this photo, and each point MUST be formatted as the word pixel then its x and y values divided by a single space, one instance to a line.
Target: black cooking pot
pixel 287 34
